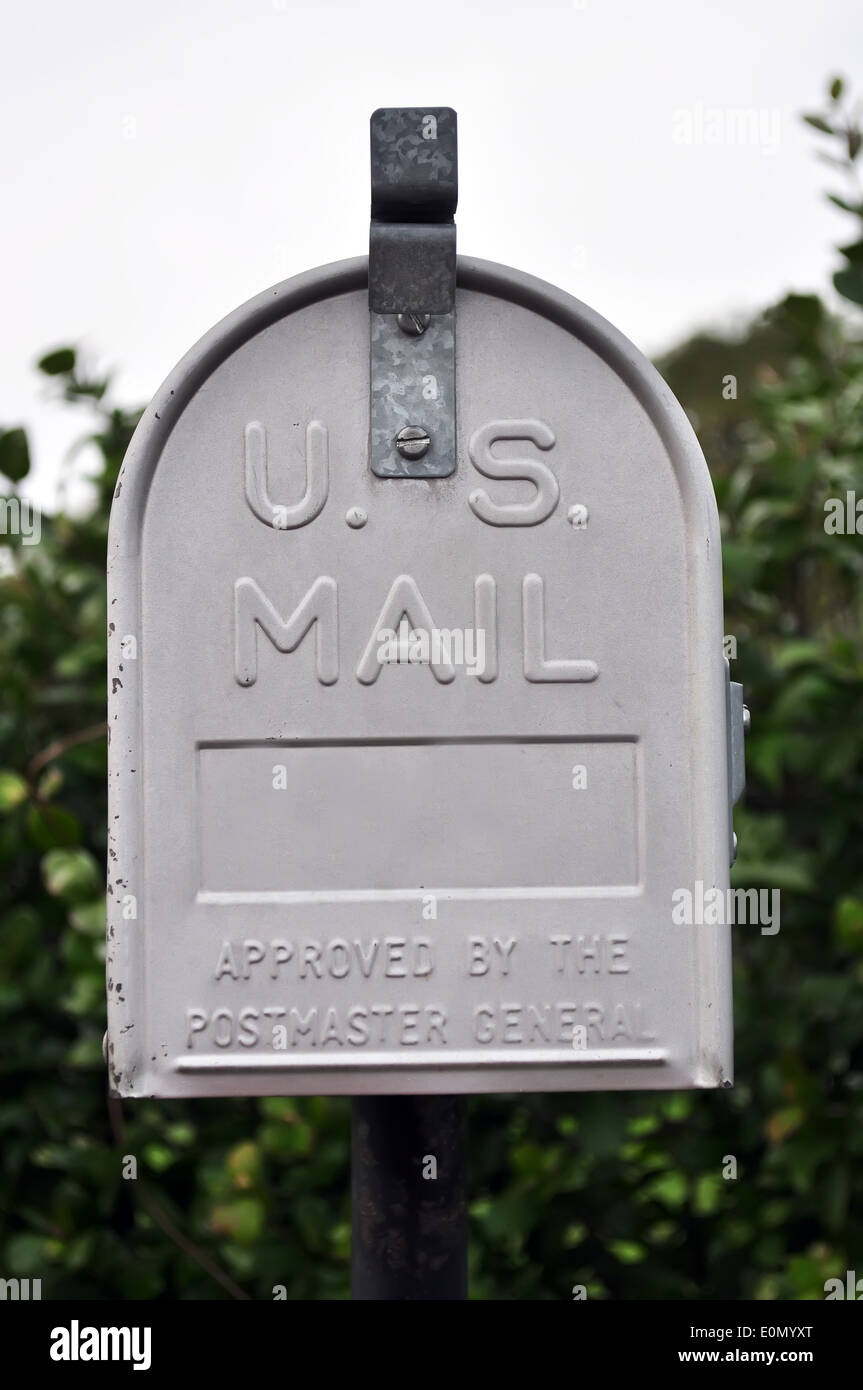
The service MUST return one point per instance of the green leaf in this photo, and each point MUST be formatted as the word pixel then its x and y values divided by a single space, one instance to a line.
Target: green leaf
pixel 628 1252
pixel 49 783
pixel 804 311
pixel 58 362
pixel 836 87
pixel 574 1234
pixel 853 253
pixel 244 1165
pixel 241 1220
pixel 52 826
pixel 782 1123
pixel 71 874
pixel 708 1193
pixel 766 757
pixel 677 1106
pixel 19 937
pixel 856 208
pixel 86 998
pixel 159 1157
pixel 26 1256
pixel 181 1133
pixel 789 876
pixel 820 124
pixel 803 652
pixel 86 1052
pixel 14 454
pixel 13 790
pixel 802 697
pixel 849 283
pixel 848 924
pixel 89 919
pixel 669 1188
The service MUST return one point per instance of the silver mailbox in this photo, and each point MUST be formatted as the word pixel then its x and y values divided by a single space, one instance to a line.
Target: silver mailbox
pixel 405 771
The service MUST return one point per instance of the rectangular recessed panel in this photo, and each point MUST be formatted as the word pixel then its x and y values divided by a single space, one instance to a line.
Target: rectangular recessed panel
pixel 397 816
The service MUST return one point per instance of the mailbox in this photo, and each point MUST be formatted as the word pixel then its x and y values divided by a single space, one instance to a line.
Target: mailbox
pixel 419 715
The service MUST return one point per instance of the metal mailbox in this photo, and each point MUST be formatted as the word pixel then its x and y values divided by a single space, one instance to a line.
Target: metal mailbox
pixel 412 743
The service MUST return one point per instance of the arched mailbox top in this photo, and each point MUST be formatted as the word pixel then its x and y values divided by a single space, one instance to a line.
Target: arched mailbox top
pixel 480 276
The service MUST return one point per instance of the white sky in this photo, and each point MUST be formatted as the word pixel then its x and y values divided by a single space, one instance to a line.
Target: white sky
pixel 165 160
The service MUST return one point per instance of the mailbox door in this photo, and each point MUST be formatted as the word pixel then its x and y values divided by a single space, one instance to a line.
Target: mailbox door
pixel 344 861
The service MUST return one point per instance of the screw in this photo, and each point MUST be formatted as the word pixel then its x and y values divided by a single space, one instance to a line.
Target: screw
pixel 356 517
pixel 412 323
pixel 412 442
pixel 747 719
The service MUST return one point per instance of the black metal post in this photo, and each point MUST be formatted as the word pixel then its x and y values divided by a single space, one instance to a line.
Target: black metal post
pixel 409 1197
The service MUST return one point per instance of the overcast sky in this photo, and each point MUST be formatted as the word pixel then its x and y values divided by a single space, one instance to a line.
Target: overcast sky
pixel 165 160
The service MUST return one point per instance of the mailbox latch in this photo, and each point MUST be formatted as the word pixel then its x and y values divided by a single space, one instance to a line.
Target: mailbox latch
pixel 412 271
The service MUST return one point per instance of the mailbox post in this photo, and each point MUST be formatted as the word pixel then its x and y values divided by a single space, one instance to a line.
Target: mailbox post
pixel 409 1197
pixel 419 716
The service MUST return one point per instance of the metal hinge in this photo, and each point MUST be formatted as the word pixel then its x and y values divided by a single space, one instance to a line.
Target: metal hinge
pixel 412 270
pixel 737 723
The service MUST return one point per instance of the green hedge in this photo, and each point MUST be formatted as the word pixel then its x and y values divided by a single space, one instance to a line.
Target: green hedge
pixel 622 1193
